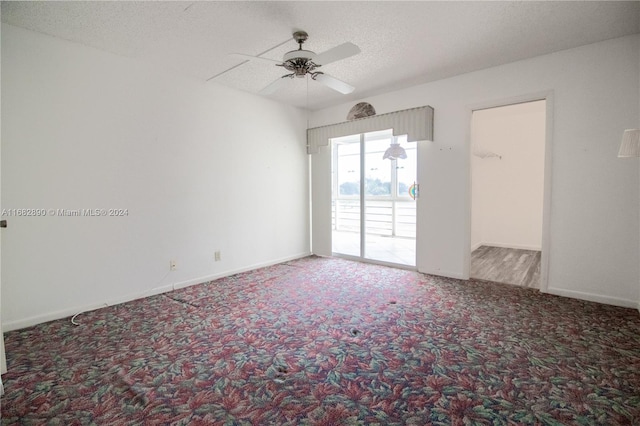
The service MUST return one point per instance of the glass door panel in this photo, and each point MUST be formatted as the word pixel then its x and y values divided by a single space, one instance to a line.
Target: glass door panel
pixel 345 200
pixel 406 170
pixel 405 208
pixel 378 203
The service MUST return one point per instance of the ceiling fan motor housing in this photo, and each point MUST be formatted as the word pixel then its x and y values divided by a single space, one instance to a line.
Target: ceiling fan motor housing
pixel 300 62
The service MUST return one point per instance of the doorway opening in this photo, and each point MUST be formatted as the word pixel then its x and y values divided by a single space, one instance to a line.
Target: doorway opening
pixel 373 207
pixel 507 193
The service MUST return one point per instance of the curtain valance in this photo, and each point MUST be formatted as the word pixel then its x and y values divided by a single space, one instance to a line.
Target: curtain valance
pixel 417 123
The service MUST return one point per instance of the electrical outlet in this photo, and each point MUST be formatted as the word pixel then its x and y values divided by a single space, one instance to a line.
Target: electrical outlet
pixel 173 265
pixel 217 256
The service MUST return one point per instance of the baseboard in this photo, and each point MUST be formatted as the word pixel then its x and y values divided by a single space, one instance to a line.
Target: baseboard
pixel 201 280
pixel 512 246
pixel 607 300
pixel 51 316
pixel 476 246
pixel 441 273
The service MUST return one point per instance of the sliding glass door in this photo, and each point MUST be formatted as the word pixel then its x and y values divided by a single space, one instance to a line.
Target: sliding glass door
pixel 373 213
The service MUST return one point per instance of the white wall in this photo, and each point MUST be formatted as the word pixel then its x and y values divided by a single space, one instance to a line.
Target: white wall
pixel 199 167
pixel 3 361
pixel 507 191
pixel 594 196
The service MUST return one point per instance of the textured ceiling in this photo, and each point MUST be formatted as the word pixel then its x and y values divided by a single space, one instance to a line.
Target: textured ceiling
pixel 402 43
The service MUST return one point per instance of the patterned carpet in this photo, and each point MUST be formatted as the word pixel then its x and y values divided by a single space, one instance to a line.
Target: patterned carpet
pixel 327 342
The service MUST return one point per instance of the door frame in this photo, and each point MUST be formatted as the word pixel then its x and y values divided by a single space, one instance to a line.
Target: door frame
pixel 548 157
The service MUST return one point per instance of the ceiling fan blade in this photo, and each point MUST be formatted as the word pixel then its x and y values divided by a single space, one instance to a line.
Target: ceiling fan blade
pixel 342 51
pixel 254 58
pixel 271 88
pixel 334 83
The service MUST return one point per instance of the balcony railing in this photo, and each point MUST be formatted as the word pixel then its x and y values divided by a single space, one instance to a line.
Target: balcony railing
pixel 392 218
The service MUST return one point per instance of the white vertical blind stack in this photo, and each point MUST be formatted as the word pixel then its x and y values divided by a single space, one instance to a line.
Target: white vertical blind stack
pixel 416 123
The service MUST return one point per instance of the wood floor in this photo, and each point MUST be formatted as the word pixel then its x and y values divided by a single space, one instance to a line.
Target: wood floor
pixel 506 265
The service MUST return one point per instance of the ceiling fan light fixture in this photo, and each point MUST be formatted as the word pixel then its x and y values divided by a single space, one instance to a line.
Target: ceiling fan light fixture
pixel 394 152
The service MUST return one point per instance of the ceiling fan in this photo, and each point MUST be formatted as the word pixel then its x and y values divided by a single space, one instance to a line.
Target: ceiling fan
pixel 301 62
